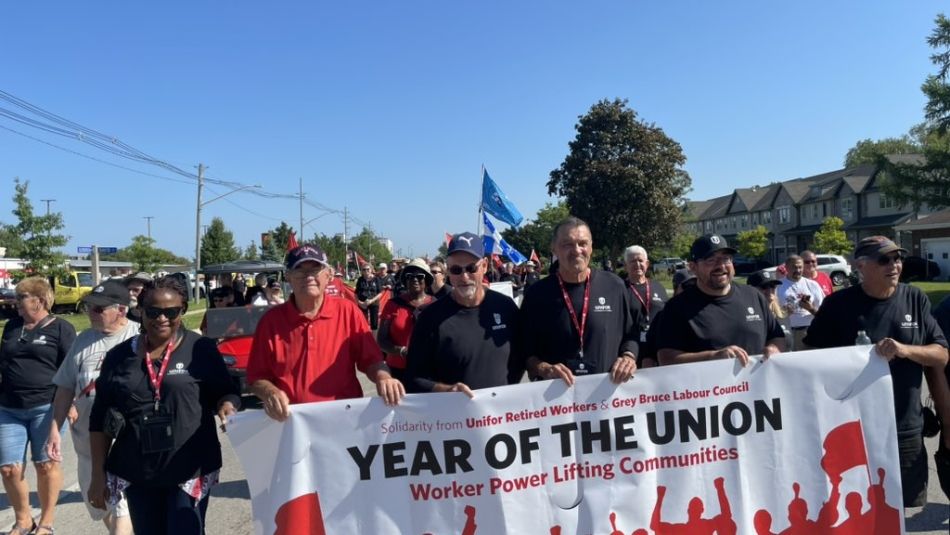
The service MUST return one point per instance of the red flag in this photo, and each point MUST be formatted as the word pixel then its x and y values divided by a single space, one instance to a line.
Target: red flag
pixel 292 242
pixel 844 449
pixel 497 261
pixel 534 258
pixel 448 238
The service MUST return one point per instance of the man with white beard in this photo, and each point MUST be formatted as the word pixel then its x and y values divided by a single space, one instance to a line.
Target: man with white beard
pixel 469 339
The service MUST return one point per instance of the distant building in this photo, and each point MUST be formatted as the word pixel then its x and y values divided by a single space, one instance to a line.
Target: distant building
pixel 387 243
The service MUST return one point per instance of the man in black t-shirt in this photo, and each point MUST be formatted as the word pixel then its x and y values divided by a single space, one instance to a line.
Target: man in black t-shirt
pixel 579 321
pixel 531 275
pixel 648 295
pixel 716 319
pixel 468 340
pixel 897 319
pixel 369 291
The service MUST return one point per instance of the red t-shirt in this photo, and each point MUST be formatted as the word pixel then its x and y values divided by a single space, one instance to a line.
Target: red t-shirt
pixel 824 281
pixel 313 360
pixel 403 318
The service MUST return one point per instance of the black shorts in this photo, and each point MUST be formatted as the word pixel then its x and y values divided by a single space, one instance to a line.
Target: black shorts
pixel 914 472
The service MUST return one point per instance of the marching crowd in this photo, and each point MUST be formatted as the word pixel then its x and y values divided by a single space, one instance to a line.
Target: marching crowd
pixel 141 392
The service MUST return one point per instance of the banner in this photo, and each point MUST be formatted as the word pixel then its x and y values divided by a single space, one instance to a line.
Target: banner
pixel 801 443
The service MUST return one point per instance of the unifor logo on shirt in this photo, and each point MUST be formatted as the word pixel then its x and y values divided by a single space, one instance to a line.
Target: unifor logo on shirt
pixel 498 324
pixel 752 316
pixel 179 370
pixel 602 305
pixel 908 322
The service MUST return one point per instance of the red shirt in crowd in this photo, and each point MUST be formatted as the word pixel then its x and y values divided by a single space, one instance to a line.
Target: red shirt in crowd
pixel 313 360
pixel 824 281
pixel 403 319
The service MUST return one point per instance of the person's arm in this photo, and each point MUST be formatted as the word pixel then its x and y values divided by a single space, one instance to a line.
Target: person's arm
pixel 218 391
pixel 930 355
pixel 99 448
pixel 669 356
pixel 386 318
pixel 274 400
pixel 940 392
pixel 62 402
pixel 545 370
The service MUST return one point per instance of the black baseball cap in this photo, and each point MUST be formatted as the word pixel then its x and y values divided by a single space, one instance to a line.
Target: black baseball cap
pixel 107 293
pixel 306 253
pixel 681 276
pixel 708 245
pixel 467 242
pixel 875 246
pixel 762 279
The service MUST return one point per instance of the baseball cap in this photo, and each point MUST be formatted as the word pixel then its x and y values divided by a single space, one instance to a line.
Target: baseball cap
pixel 110 292
pixel 706 246
pixel 761 279
pixel 876 246
pixel 681 276
pixel 530 263
pixel 466 242
pixel 140 276
pixel 382 265
pixel 306 253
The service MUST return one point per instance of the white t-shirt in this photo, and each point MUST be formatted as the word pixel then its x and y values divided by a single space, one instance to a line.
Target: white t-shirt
pixel 789 295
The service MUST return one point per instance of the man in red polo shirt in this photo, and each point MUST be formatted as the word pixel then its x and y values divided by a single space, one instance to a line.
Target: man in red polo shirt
pixel 810 260
pixel 306 349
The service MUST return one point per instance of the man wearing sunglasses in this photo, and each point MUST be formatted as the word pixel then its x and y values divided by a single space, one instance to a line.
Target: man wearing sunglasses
pixel 578 320
pixel 298 345
pixel 467 340
pixel 897 319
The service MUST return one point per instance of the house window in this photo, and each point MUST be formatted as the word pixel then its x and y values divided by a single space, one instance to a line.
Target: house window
pixel 885 202
pixel 824 209
pixel 755 218
pixel 767 217
pixel 732 222
pixel 814 211
pixel 847 211
pixel 784 215
pixel 744 221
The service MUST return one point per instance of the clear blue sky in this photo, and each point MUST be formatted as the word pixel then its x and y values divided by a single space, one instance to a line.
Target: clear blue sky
pixel 391 108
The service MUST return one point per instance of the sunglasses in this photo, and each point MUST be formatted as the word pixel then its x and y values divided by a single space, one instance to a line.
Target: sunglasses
pixel 436 271
pixel 810 261
pixel 458 270
pixel 170 313
pixel 414 277
pixel 101 309
pixel 884 260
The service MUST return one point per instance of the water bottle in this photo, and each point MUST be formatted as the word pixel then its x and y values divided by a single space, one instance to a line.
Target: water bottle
pixel 862 339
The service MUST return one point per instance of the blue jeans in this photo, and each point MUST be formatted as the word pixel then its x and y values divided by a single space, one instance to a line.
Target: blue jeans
pixel 19 427
pixel 165 511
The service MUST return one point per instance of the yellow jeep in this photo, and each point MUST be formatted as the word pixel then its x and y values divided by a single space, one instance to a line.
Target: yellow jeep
pixel 69 289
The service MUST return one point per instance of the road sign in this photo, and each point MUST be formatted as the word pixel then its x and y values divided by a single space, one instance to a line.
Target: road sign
pixel 108 250
pixel 84 250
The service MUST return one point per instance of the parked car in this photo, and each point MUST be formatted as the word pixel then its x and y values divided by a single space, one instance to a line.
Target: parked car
pixel 7 303
pixel 747 266
pixel 835 266
pixel 919 269
pixel 668 265
pixel 69 288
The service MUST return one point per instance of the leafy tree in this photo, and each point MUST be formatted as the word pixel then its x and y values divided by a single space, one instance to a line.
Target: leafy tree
pixel 144 256
pixel 678 248
pixel 831 238
pixel 11 239
pixel 536 234
pixel 217 246
pixel 37 233
pixel 867 151
pixel 928 181
pixel 250 252
pixel 367 244
pixel 333 246
pixel 269 250
pixel 281 236
pixel 754 243
pixel 624 177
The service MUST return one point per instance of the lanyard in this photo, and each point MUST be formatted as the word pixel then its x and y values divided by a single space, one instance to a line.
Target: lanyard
pixel 645 302
pixel 579 325
pixel 157 380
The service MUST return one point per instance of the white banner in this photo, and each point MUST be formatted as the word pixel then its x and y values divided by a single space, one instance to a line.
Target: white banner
pixel 797 444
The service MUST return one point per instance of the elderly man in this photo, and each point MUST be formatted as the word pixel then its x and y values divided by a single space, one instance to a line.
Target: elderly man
pixel 440 286
pixel 135 284
pixel 106 306
pixel 468 340
pixel 810 261
pixel 530 275
pixel 307 348
pixel 369 291
pixel 578 320
pixel 649 297
pixel 716 319
pixel 897 319
pixel 800 297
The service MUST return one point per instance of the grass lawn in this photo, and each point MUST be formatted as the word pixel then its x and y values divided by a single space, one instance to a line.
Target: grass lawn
pixel 936 291
pixel 81 321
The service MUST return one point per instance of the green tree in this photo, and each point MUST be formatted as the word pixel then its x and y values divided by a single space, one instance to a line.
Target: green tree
pixel 536 234
pixel 868 151
pixel 38 234
pixel 831 238
pixel 217 245
pixel 11 239
pixel 367 244
pixel 754 243
pixel 144 255
pixel 251 252
pixel 928 181
pixel 281 236
pixel 624 177
pixel 269 250
pixel 333 246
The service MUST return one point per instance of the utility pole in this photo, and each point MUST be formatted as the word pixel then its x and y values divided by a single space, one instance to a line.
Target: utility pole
pixel 300 231
pixel 47 201
pixel 346 245
pixel 201 178
pixel 148 219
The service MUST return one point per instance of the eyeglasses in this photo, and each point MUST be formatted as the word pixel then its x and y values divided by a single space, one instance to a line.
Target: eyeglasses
pixel 304 273
pixel 409 277
pixel 810 261
pixel 170 313
pixel 716 260
pixel 884 260
pixel 436 271
pixel 458 270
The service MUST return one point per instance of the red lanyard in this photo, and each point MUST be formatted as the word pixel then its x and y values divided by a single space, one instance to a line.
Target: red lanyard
pixel 579 325
pixel 645 302
pixel 157 380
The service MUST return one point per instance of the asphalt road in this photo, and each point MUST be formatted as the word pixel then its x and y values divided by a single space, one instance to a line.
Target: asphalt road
pixel 230 511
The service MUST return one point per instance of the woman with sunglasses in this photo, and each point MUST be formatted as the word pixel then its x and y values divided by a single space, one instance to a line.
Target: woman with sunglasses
pixel 33 346
pixel 156 397
pixel 400 313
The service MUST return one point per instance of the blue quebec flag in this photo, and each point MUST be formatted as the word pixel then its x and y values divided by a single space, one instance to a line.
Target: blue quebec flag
pixel 495 203
pixel 495 244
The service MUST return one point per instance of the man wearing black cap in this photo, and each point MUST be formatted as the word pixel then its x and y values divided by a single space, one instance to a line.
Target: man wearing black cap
pixel 578 320
pixel 306 349
pixel 468 340
pixel 716 319
pixel 897 319
pixel 106 306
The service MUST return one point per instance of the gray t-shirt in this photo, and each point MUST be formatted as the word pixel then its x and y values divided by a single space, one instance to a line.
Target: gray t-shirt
pixel 82 363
